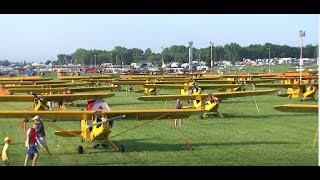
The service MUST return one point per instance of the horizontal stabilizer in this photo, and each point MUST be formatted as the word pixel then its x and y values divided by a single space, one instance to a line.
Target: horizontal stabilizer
pixel 68 133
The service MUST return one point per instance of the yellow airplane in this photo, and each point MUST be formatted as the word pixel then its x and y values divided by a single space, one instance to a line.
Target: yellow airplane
pixel 16 82
pixel 211 104
pixel 41 101
pixel 25 78
pixel 45 85
pixel 303 91
pixel 85 77
pixel 62 90
pixel 294 79
pixel 184 88
pixel 304 108
pixel 242 76
pixel 96 125
pixel 233 81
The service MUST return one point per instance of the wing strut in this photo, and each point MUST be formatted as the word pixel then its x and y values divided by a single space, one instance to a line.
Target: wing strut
pixel 183 138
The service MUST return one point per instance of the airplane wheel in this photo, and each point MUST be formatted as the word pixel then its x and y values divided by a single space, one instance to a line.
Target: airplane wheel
pixel 104 145
pixel 80 149
pixel 121 148
pixel 95 146
pixel 200 117
pixel 81 140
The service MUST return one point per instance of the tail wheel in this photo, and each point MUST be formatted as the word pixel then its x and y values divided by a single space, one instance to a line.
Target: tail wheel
pixel 121 148
pixel 80 149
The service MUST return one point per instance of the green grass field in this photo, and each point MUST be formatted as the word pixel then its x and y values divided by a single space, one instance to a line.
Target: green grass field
pixel 251 134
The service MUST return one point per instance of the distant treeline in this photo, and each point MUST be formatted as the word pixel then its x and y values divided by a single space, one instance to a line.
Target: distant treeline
pixel 179 53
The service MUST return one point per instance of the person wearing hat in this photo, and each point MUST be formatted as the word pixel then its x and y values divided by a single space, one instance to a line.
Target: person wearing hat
pixel 30 143
pixel 5 153
pixel 41 135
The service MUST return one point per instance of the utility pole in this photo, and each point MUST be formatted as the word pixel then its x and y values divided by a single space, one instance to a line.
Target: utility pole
pixel 269 59
pixel 95 61
pixel 301 34
pixel 190 55
pixel 211 44
pixel 162 57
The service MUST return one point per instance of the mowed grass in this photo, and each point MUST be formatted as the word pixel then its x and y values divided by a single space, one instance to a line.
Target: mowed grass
pixel 251 134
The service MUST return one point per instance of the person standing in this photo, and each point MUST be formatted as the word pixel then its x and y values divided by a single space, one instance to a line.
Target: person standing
pixel 177 105
pixel 41 135
pixel 30 143
pixel 5 153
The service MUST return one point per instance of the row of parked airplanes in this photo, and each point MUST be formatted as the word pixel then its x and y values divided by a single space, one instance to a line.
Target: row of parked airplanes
pixel 96 121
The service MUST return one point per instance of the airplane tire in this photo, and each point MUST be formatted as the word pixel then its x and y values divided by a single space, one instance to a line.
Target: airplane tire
pixel 105 145
pixel 95 146
pixel 121 148
pixel 80 149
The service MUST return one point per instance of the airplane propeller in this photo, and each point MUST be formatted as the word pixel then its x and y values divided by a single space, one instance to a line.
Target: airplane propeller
pixel 43 101
pixel 108 120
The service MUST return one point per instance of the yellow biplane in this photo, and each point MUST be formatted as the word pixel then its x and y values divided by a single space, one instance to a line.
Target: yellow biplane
pixel 96 125
pixel 208 102
pixel 305 108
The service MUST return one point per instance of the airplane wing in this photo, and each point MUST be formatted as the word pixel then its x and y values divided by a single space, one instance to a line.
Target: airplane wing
pixel 230 82
pixel 286 85
pixel 73 115
pixel 181 86
pixel 291 77
pixel 98 88
pixel 240 76
pixel 297 108
pixel 28 78
pixel 56 90
pixel 53 82
pixel 55 97
pixel 97 80
pixel 129 82
pixel 16 82
pixel 85 77
pixel 203 96
pixel 43 85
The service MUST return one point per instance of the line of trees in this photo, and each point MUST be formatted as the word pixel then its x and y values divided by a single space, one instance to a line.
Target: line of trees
pixel 232 52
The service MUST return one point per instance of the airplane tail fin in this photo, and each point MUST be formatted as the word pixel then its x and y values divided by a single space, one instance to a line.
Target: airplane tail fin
pixel 97 105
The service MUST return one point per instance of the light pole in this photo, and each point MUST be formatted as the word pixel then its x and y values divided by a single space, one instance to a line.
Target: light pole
pixel 110 58
pixel 190 55
pixel 211 57
pixel 269 58
pixel 95 61
pixel 162 56
pixel 301 34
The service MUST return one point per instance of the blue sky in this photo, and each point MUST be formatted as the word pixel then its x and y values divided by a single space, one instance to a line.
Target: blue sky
pixel 41 37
